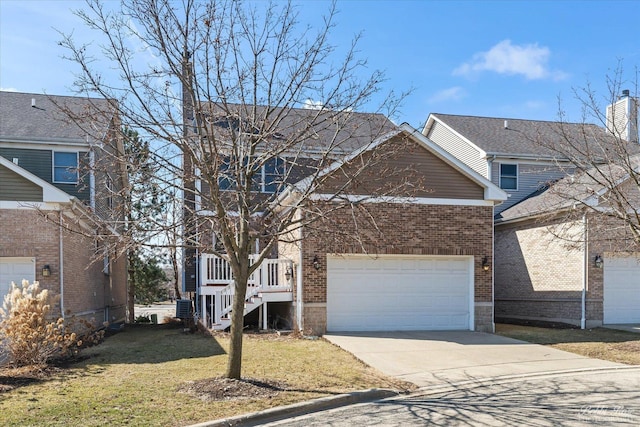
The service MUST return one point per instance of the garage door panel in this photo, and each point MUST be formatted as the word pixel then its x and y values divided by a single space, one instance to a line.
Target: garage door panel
pixel 398 294
pixel 15 269
pixel 622 289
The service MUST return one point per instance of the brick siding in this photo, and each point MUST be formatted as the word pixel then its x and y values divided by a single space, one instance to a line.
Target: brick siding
pixel 399 229
pixel 87 290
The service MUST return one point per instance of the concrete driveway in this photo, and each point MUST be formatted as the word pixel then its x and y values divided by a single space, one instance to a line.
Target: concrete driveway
pixel 430 359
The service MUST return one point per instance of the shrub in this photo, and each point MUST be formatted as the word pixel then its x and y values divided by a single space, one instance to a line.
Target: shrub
pixel 30 336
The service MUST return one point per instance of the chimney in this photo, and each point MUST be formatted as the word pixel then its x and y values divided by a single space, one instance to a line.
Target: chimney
pixel 506 124
pixel 33 102
pixel 622 117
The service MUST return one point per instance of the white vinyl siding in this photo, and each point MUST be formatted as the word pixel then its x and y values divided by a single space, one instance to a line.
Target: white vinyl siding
pixel 459 148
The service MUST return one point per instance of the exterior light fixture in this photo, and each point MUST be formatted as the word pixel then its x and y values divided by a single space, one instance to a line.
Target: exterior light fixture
pixel 598 261
pixel 485 264
pixel 316 262
pixel 288 274
pixel 46 271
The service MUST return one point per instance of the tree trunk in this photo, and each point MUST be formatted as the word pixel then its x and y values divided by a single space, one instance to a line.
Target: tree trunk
pixel 234 362
pixel 174 263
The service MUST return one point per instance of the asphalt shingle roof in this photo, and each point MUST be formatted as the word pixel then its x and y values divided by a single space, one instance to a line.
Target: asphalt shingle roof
pixel 520 137
pixel 345 131
pixel 45 121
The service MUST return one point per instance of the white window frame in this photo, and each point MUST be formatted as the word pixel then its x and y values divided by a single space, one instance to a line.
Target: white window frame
pixel 500 176
pixel 53 167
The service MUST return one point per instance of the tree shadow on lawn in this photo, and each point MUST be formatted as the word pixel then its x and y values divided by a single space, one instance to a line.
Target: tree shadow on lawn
pixel 152 344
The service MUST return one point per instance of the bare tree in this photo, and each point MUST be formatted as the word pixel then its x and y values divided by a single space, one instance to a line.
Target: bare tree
pixel 604 164
pixel 242 102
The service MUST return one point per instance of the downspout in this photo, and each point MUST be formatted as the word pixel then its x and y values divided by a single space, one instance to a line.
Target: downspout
pixel 585 275
pixel 299 317
pixel 92 180
pixel 61 267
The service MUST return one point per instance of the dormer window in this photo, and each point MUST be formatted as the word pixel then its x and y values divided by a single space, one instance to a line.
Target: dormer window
pixel 508 176
pixel 65 168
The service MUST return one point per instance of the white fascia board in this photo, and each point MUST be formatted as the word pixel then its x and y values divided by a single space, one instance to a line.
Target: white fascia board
pixel 401 200
pixel 432 118
pixel 491 191
pixel 49 192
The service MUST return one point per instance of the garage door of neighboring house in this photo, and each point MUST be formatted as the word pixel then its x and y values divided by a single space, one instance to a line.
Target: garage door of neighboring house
pixel 622 289
pixel 14 269
pixel 394 293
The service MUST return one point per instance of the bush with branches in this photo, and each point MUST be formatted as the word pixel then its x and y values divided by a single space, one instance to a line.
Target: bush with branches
pixel 30 336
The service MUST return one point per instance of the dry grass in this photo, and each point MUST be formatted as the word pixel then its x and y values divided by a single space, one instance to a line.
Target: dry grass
pixel 599 343
pixel 134 377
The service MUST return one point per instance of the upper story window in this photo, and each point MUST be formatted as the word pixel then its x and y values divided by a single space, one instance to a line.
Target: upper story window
pixel 65 167
pixel 508 176
pixel 268 179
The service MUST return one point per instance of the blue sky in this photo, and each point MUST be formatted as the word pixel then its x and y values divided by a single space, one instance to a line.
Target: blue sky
pixel 487 58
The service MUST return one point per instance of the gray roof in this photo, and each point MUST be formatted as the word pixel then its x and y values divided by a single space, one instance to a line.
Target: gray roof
pixel 33 117
pixel 315 130
pixel 526 138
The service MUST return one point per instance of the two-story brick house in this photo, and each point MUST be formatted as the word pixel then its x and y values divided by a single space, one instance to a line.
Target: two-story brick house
pixel 55 186
pixel 417 262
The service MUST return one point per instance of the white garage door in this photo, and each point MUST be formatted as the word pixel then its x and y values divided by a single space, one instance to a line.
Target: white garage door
pixel 14 270
pixel 622 289
pixel 399 293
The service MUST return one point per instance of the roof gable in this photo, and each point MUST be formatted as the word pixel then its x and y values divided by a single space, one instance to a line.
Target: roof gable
pixel 439 169
pixel 49 192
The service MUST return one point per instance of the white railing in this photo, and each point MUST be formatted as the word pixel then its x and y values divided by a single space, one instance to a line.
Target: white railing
pixel 273 275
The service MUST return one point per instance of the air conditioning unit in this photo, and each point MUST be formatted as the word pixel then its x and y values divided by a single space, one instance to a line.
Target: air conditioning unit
pixel 183 309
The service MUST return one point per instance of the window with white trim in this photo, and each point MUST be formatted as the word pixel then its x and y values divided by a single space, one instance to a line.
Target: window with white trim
pixel 65 167
pixel 508 176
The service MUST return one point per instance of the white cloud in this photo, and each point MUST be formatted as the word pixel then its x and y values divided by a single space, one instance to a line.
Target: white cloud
pixel 451 94
pixel 530 61
pixel 310 104
pixel 8 89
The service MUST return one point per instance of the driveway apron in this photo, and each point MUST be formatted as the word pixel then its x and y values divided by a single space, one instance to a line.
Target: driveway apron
pixel 428 358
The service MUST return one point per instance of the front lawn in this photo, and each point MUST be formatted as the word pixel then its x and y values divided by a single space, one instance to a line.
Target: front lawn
pixel 598 343
pixel 135 378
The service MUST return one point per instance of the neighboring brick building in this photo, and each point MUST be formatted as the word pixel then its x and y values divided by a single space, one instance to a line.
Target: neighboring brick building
pixel 548 271
pixel 51 194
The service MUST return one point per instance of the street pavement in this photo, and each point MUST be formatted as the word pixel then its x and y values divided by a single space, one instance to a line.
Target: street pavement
pixel 603 397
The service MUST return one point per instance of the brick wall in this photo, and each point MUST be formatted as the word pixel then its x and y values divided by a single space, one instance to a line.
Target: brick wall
pixel 539 268
pixel 538 275
pixel 87 290
pixel 398 229
pixel 26 233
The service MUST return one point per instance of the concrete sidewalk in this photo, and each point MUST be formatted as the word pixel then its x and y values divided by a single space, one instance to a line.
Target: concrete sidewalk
pixel 430 359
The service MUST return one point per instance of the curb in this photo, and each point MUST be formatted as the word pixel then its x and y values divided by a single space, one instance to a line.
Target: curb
pixel 315 405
